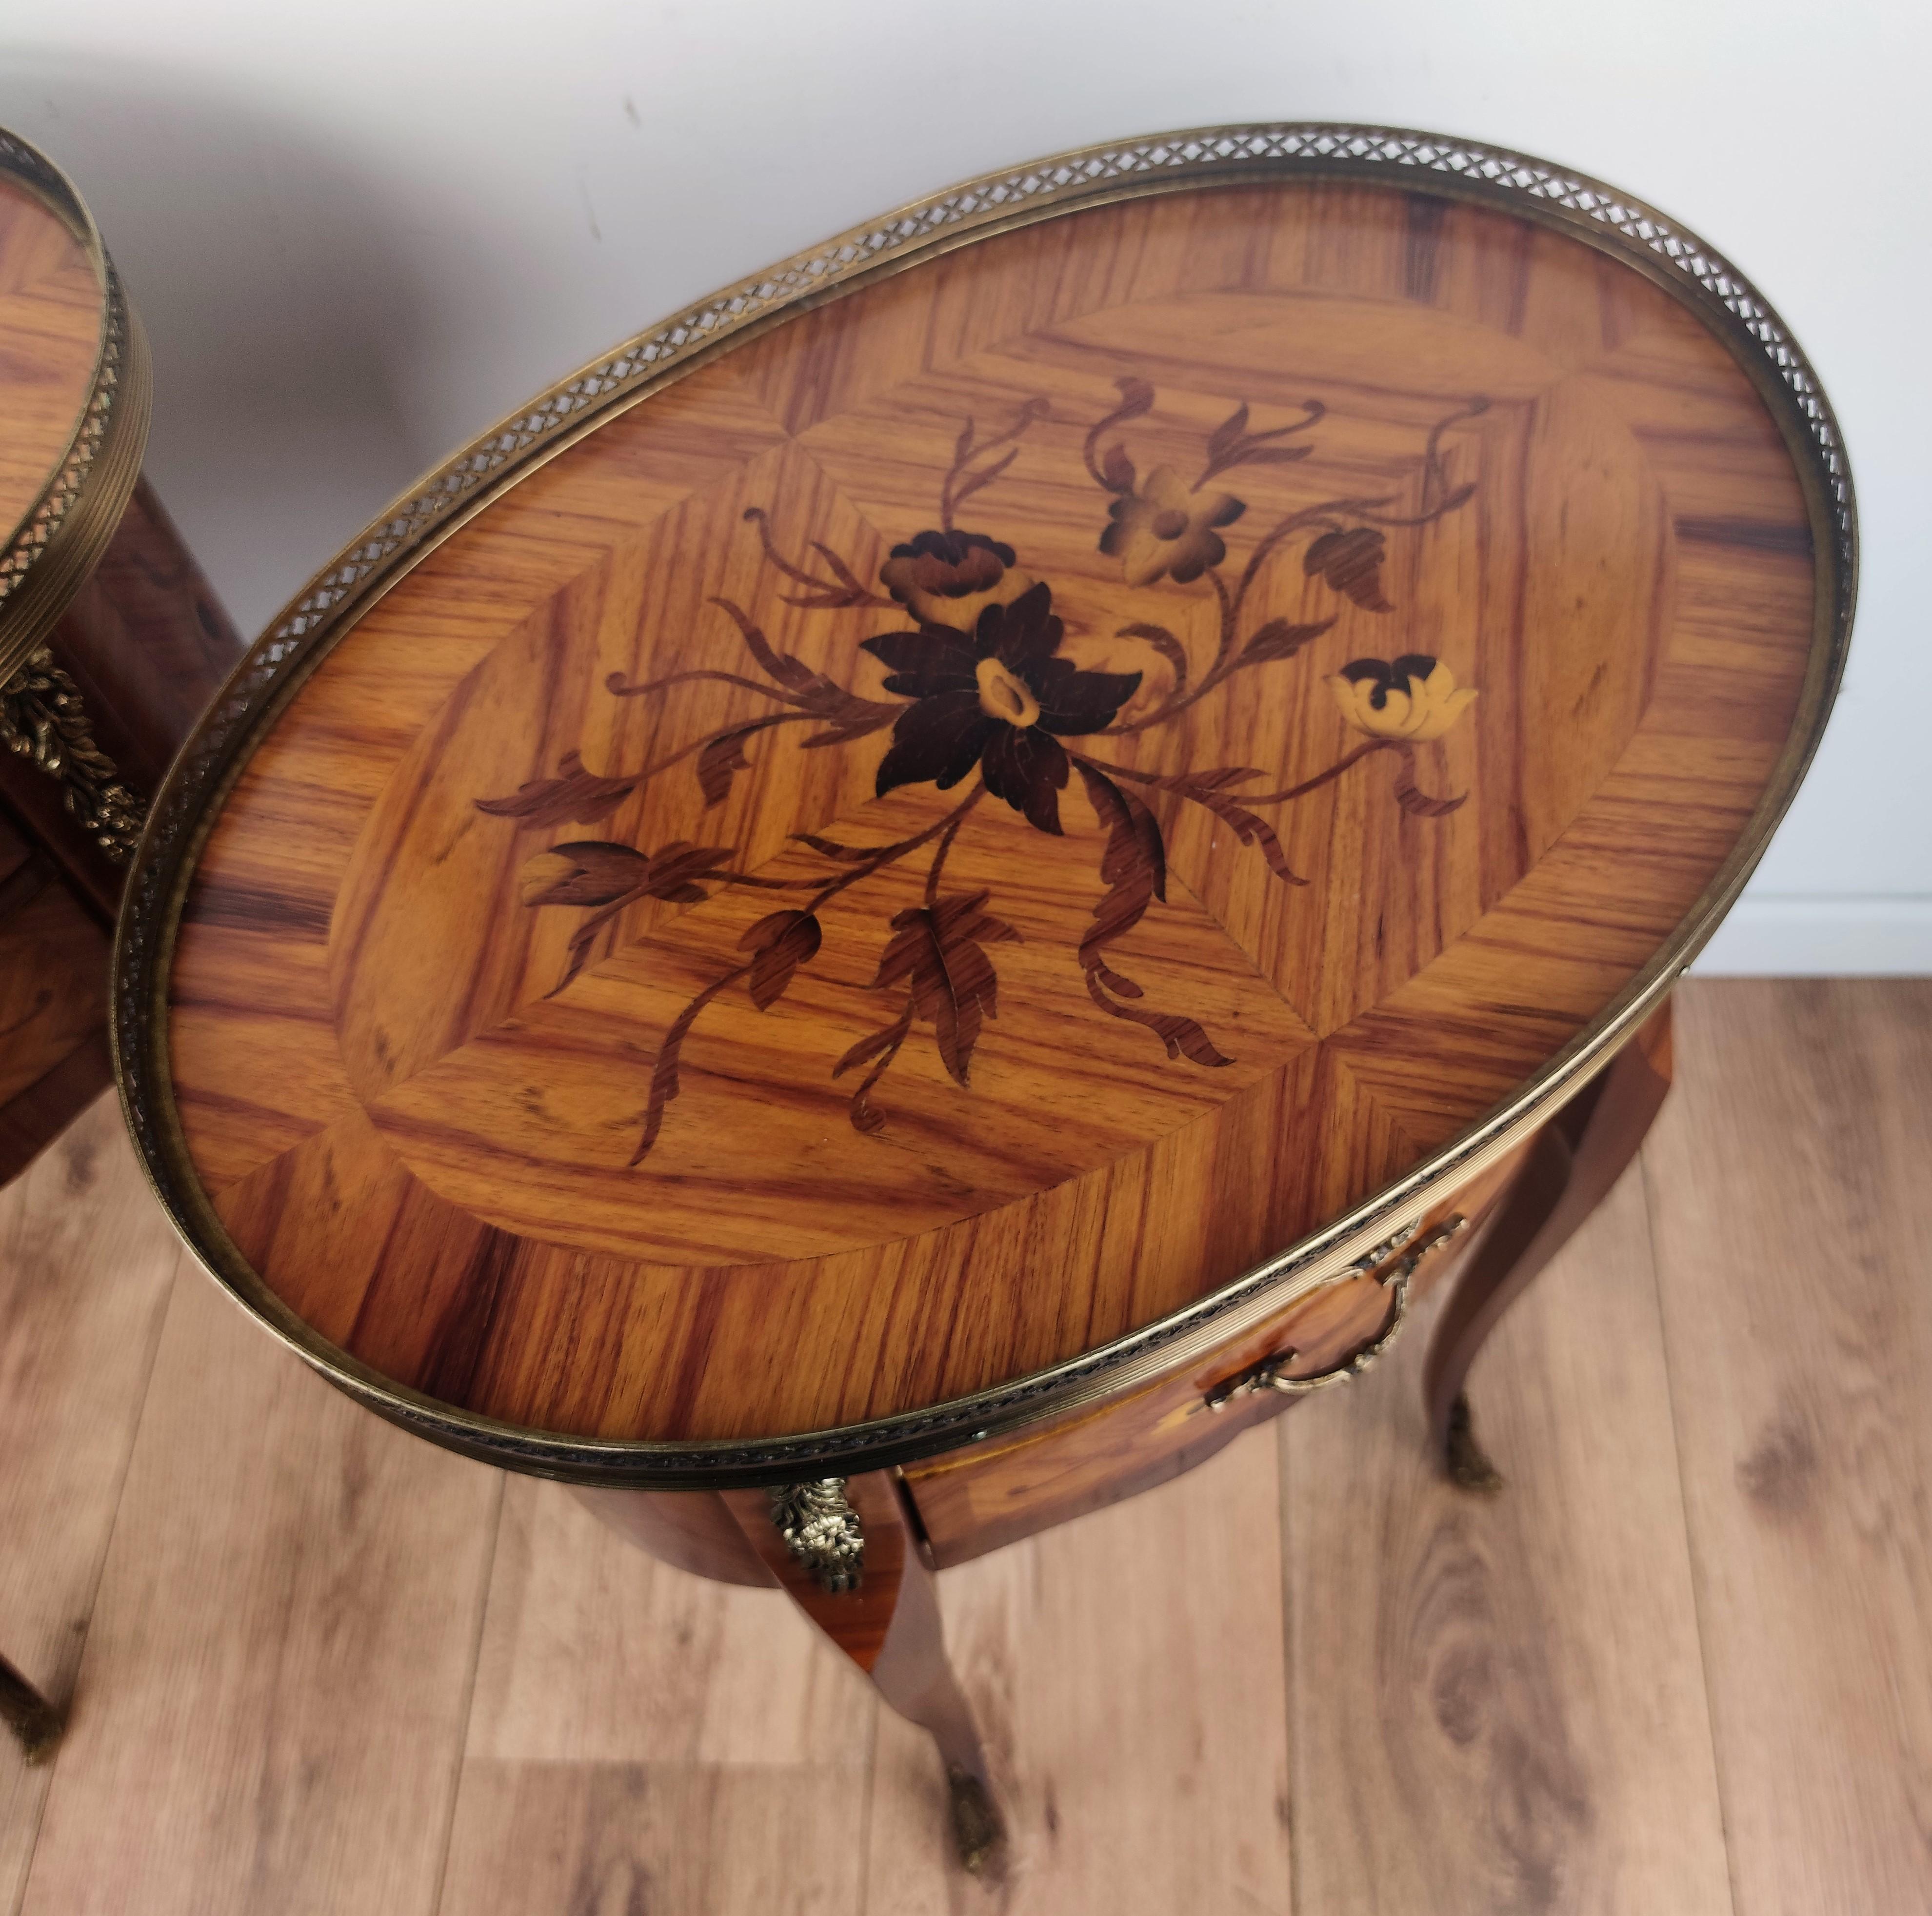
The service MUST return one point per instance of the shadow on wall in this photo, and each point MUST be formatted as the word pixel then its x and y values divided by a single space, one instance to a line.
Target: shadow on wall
pixel 275 285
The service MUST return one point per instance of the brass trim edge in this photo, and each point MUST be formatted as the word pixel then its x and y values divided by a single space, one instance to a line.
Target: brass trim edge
pixel 419 520
pixel 59 540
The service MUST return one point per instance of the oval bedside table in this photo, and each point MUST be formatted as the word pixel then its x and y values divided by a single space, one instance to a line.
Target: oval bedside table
pixel 111 644
pixel 902 906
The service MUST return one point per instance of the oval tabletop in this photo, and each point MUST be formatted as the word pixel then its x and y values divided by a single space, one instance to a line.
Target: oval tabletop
pixel 73 399
pixel 50 304
pixel 970 820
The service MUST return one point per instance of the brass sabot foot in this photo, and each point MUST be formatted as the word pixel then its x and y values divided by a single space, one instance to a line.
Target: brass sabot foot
pixel 1463 1457
pixel 979 1835
pixel 31 1718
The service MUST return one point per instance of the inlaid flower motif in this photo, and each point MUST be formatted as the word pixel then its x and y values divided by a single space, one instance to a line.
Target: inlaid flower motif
pixel 1163 530
pixel 987 702
pixel 1414 698
pixel 949 578
pixel 997 698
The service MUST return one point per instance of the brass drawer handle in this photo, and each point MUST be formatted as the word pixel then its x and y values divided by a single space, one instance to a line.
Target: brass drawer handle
pixel 1271 1373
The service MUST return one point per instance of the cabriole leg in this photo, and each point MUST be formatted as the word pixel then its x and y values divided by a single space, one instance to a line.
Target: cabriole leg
pixel 1571 1167
pixel 847 1554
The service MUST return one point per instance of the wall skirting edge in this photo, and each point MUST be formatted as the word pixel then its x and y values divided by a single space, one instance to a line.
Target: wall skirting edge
pixel 1773 937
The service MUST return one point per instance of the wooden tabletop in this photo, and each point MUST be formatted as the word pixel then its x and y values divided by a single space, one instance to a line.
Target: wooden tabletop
pixel 969 821
pixel 75 395
pixel 50 314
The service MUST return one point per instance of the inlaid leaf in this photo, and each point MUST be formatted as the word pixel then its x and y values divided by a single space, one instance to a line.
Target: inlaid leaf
pixel 1226 436
pixel 840 594
pixel 860 854
pixel 664 1070
pixel 780 943
pixel 676 874
pixel 720 761
pixel 846 715
pixel 1278 640
pixel 878 1048
pixel 1352 563
pixel 583 872
pixel 779 666
pixel 1181 1036
pixel 1438 497
pixel 1207 790
pixel 1115 471
pixel 869 1047
pixel 938 950
pixel 831 848
pixel 575 796
pixel 974 481
pixel 1134 867
pixel 1232 444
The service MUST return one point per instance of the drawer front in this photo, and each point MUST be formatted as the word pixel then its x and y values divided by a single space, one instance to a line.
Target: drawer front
pixel 974 1500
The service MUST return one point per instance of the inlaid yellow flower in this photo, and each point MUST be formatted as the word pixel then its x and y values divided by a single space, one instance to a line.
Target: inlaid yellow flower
pixel 1414 698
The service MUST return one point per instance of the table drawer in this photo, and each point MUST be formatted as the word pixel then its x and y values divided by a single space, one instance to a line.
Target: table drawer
pixel 973 1500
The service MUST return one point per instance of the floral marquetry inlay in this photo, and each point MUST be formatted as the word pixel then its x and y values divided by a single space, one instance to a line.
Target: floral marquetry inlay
pixel 1000 730
pixel 989 703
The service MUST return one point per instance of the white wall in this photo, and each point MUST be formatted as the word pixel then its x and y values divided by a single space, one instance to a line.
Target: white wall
pixel 360 232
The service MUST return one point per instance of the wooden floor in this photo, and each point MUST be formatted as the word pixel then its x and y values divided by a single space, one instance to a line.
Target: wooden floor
pixel 1683 1663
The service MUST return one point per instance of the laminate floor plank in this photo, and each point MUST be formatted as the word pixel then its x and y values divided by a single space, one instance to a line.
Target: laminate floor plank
pixel 86 1263
pixel 270 1708
pixel 657 1840
pixel 643 1740
pixel 1539 1702
pixel 1127 1672
pixel 1788 1185
pixel 1498 1703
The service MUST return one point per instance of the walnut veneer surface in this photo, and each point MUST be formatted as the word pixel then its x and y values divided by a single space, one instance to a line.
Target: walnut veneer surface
pixel 960 826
